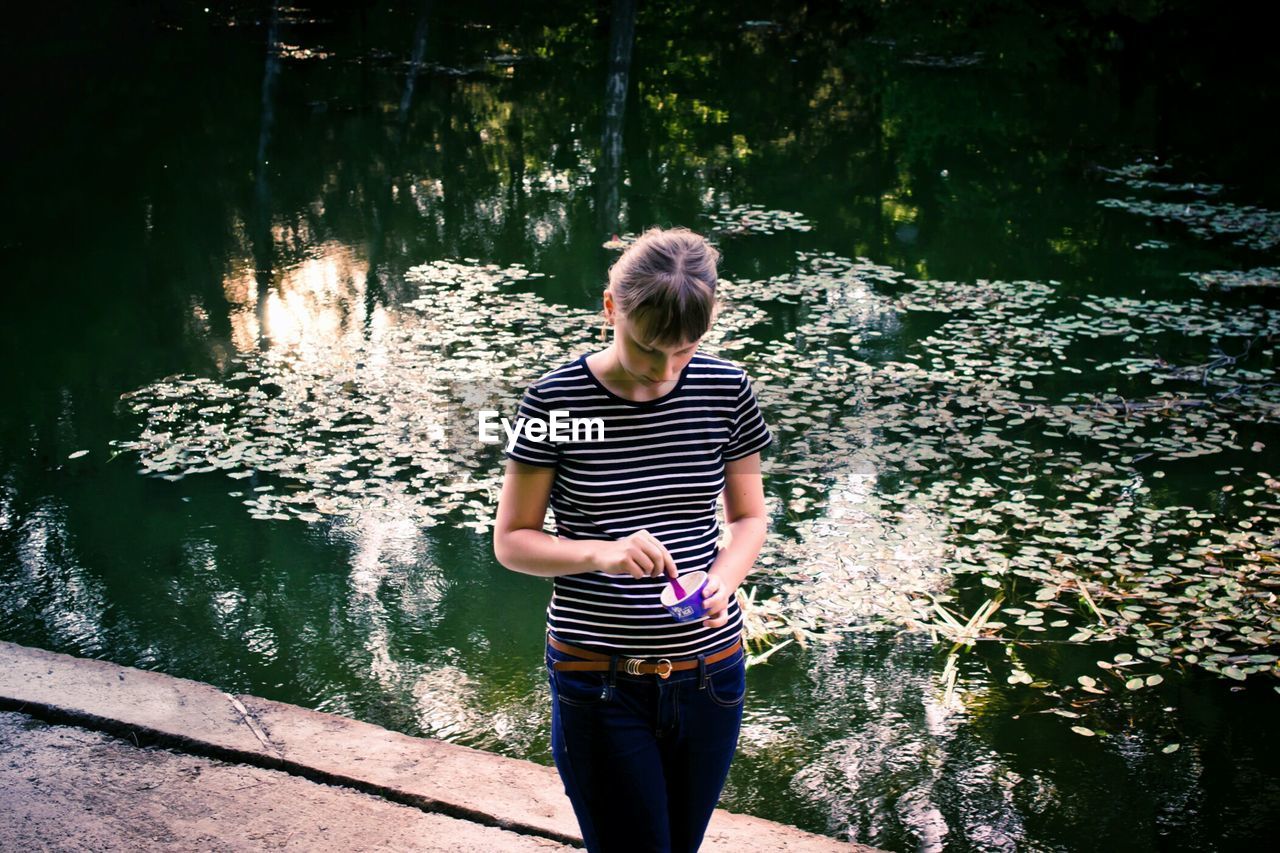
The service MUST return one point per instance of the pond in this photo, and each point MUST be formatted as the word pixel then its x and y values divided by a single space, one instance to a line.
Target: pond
pixel 1008 300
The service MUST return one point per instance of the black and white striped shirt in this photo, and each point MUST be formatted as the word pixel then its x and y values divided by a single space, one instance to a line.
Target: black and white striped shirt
pixel 659 467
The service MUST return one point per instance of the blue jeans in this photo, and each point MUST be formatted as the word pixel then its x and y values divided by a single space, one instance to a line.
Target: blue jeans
pixel 643 759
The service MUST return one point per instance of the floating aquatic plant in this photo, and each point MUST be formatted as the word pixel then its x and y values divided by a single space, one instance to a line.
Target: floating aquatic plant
pixel 756 219
pixel 1136 176
pixel 923 60
pixel 1245 225
pixel 1019 487
pixel 1011 449
pixel 1229 279
pixel 618 243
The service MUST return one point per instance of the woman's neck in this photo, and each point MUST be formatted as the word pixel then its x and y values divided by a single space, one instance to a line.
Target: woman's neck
pixel 609 370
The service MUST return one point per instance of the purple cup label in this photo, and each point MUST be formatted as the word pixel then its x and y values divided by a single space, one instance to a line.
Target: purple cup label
pixel 692 606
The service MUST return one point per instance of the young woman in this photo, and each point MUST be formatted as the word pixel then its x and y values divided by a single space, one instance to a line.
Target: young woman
pixel 645 710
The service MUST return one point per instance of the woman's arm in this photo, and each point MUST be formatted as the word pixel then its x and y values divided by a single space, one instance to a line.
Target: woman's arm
pixel 520 544
pixel 748 524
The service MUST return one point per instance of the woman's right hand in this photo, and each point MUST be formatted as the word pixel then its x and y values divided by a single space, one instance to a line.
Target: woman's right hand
pixel 640 555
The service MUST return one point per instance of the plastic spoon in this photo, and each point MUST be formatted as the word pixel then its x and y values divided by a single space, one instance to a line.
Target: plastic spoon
pixel 675 585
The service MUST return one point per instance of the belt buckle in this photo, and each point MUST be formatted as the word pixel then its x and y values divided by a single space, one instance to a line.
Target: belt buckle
pixel 634 666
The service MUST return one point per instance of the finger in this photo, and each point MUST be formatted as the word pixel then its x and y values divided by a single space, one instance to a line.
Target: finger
pixel 643 558
pixel 658 553
pixel 670 563
pixel 662 557
pixel 634 569
pixel 657 543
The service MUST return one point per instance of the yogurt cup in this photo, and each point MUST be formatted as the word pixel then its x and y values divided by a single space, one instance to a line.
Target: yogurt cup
pixel 691 608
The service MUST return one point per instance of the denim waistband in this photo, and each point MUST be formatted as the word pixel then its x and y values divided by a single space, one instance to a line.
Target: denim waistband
pixel 735 659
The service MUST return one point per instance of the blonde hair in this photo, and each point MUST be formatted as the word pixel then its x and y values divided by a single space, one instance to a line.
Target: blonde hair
pixel 665 283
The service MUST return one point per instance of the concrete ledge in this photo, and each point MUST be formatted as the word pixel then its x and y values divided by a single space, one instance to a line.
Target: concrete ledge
pixel 432 775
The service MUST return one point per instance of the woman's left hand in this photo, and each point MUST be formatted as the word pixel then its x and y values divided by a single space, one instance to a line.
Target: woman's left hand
pixel 715 597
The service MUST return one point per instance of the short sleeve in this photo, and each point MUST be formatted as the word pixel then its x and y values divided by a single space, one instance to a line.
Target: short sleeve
pixel 749 433
pixel 532 450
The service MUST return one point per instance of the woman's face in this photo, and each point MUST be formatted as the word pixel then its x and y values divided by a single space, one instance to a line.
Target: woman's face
pixel 647 362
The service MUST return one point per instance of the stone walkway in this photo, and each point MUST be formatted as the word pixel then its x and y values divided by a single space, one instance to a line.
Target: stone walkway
pixel 68 788
pixel 96 756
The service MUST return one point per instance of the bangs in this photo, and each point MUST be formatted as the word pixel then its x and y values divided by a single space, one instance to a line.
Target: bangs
pixel 674 316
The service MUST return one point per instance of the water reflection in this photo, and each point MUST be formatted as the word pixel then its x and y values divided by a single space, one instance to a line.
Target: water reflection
pixel 622 26
pixel 71 602
pixel 7 494
pixel 387 552
pixel 307 309
pixel 860 564
pixel 884 753
pixel 447 705
pixel 261 237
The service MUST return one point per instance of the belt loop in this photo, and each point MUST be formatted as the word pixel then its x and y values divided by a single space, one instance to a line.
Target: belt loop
pixel 702 672
pixel 613 671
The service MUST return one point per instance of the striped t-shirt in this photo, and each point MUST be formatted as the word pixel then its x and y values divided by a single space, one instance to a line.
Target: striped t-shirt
pixel 659 467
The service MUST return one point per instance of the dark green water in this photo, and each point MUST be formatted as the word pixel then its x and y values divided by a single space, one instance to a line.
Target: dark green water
pixel 143 238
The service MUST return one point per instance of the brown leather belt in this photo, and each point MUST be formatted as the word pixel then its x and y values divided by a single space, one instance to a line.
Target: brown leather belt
pixel 596 662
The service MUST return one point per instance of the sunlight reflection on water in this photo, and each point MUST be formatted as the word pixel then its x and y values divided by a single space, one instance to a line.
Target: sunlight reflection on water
pixel 73 601
pixel 308 307
pixel 885 751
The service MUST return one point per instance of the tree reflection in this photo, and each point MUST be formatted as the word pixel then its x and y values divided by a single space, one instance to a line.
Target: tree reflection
pixel 622 28
pixel 261 235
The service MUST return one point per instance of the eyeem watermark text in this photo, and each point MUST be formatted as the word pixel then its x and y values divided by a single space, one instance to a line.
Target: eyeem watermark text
pixel 560 428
